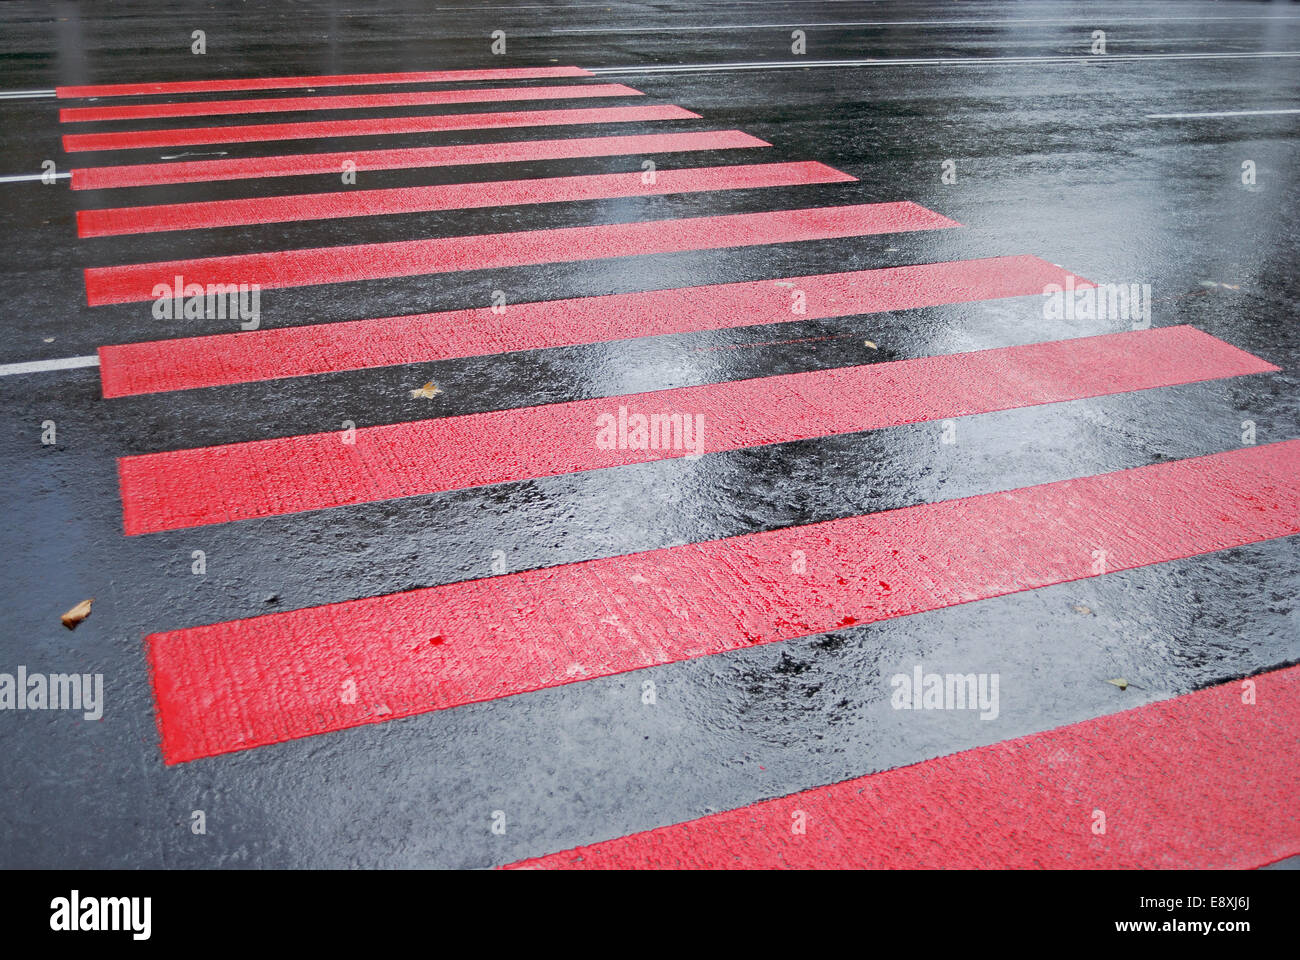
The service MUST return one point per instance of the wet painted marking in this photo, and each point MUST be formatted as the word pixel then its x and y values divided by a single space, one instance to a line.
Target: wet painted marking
pixel 376 261
pixel 261 478
pixel 373 126
pixel 46 366
pixel 244 168
pixel 360 101
pixel 247 683
pixel 336 80
pixel 220 359
pixel 30 177
pixel 1168 777
pixel 937 62
pixel 1225 113
pixel 457 196
pixel 677 28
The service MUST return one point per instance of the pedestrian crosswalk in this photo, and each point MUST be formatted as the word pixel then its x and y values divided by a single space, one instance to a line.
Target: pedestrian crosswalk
pixel 205 108
pixel 183 488
pixel 249 683
pixel 205 215
pixel 189 362
pixel 408 258
pixel 1158 787
pixel 230 84
pixel 287 165
pixel 310 130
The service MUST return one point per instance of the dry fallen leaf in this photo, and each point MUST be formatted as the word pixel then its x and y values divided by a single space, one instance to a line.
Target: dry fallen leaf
pixel 868 343
pixel 430 389
pixel 1119 682
pixel 78 613
pixel 1080 608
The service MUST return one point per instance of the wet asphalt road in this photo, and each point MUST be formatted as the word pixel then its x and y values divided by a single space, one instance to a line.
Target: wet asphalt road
pixel 1056 159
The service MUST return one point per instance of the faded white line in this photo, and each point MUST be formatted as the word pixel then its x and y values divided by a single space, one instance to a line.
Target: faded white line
pixel 933 62
pixel 44 366
pixel 730 3
pixel 179 156
pixel 1099 20
pixel 1224 113
pixel 26 177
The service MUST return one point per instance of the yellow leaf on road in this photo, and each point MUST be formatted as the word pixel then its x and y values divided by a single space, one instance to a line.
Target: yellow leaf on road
pixel 78 613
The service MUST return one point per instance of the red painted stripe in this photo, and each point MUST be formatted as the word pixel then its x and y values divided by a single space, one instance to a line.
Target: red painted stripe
pixel 377 261
pixel 358 101
pixel 245 168
pixel 337 80
pixel 246 683
pixel 187 488
pixel 189 136
pixel 325 348
pixel 456 196
pixel 1201 781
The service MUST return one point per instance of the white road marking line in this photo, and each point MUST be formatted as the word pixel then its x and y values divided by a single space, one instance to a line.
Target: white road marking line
pixel 25 177
pixel 933 62
pixel 1225 113
pixel 43 366
pixel 589 4
pixel 24 94
pixel 1100 19
pixel 513 6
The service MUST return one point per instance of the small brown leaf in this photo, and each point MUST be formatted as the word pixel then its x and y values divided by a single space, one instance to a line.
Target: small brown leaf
pixel 1080 608
pixel 868 343
pixel 430 389
pixel 1119 682
pixel 78 613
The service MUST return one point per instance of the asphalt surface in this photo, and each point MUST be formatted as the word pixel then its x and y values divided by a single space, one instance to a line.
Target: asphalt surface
pixel 1058 158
